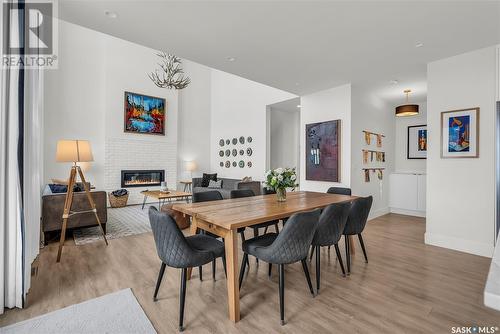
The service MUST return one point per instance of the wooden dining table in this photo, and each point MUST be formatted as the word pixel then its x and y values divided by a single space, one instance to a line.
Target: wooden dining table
pixel 224 217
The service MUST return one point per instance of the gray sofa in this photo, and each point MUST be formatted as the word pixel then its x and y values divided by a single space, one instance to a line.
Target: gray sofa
pixel 227 186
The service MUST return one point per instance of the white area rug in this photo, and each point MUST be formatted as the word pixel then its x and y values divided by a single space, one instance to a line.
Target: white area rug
pixel 122 222
pixel 117 312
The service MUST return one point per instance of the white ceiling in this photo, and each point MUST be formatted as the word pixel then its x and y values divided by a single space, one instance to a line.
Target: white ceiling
pixel 304 46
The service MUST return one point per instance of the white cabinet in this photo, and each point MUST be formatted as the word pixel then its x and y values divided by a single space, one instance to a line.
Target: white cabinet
pixel 407 194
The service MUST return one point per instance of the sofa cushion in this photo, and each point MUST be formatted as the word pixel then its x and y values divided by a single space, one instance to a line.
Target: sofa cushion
pixel 205 180
pixel 215 184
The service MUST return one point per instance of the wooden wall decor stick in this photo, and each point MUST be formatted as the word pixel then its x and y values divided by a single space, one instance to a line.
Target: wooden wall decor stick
pixel 379 140
pixel 368 138
pixel 67 207
pixel 367 175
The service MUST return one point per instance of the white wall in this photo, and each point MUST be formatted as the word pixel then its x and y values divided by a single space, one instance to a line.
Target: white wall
pixel 370 113
pixel 402 163
pixel 284 138
pixel 327 105
pixel 239 109
pixel 461 192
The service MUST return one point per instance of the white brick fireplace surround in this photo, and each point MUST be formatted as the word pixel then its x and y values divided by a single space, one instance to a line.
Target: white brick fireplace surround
pixel 121 154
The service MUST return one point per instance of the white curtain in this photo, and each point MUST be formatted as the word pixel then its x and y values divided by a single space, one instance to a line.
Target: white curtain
pixel 11 216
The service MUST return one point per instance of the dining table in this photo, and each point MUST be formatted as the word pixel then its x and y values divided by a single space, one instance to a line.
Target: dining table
pixel 224 217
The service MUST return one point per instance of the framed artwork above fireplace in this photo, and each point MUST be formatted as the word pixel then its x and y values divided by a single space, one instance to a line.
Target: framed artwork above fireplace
pixel 144 114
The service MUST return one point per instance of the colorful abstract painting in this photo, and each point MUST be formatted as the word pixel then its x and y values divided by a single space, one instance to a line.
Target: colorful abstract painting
pixel 417 142
pixel 460 133
pixel 323 151
pixel 144 114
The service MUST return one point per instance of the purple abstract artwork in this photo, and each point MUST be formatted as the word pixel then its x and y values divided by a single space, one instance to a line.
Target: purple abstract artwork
pixel 323 151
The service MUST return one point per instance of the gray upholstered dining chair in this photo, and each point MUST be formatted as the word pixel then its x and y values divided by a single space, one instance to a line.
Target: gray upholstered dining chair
pixel 289 246
pixel 177 251
pixel 339 191
pixel 356 222
pixel 330 229
pixel 207 196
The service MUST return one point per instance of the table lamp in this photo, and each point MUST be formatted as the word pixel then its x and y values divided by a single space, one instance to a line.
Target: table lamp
pixel 190 166
pixel 75 151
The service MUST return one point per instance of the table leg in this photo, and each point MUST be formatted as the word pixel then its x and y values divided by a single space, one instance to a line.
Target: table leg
pixel 233 291
pixel 351 245
pixel 192 231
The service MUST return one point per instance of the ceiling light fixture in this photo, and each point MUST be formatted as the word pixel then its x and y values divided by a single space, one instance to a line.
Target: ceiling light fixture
pixel 110 14
pixel 231 59
pixel 419 44
pixel 407 109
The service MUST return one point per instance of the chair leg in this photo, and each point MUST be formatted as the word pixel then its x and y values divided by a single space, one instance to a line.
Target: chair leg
pixel 347 254
pixel 308 277
pixel 276 228
pixel 243 265
pixel 182 298
pixel 339 257
pixel 158 282
pixel 200 270
pixel 213 269
pixel 282 293
pixel 363 247
pixel 312 253
pixel 318 267
pixel 265 230
pixel 255 235
pixel 242 235
pixel 270 270
pixel 224 264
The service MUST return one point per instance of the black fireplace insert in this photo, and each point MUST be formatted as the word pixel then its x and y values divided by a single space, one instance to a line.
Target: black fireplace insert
pixel 142 178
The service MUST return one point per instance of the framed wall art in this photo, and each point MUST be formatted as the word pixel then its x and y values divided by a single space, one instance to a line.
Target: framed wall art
pixel 323 151
pixel 460 133
pixel 144 114
pixel 417 142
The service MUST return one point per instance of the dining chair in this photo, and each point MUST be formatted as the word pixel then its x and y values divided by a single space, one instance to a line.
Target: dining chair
pixel 356 222
pixel 207 196
pixel 330 229
pixel 289 246
pixel 177 251
pixel 339 191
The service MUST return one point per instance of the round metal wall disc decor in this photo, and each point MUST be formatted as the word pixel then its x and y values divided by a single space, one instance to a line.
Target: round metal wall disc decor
pixel 221 153
pixel 234 164
pixel 249 151
pixel 228 142
pixel 242 140
pixel 235 152
pixel 249 164
pixel 221 142
pixel 242 152
pixel 221 164
pixel 228 152
pixel 249 139
pixel 228 164
pixel 235 141
pixel 241 164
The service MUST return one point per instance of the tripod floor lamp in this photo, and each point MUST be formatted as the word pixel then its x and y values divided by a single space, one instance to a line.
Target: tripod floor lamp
pixel 75 151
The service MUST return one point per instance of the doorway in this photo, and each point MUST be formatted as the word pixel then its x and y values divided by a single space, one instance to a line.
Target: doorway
pixel 283 123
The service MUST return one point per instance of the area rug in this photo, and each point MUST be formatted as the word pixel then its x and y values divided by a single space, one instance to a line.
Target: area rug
pixel 117 312
pixel 122 222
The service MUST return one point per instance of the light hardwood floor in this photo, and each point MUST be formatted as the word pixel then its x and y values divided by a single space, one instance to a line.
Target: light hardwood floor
pixel 407 287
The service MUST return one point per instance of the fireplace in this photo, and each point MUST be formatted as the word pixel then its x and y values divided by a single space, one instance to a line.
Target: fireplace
pixel 142 178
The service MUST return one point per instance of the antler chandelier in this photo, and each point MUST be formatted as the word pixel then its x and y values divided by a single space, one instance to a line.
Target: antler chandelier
pixel 171 75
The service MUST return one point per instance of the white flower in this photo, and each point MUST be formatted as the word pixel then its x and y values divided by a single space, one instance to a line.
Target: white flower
pixel 280 177
pixel 293 177
pixel 278 170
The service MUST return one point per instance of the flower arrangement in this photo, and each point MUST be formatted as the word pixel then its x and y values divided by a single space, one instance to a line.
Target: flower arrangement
pixel 279 179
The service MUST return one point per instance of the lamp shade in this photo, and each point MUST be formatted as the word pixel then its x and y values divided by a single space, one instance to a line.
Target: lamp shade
pixel 74 151
pixel 407 110
pixel 190 166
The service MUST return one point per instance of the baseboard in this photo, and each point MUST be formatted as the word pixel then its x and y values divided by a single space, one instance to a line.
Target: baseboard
pixel 406 212
pixel 377 213
pixel 462 245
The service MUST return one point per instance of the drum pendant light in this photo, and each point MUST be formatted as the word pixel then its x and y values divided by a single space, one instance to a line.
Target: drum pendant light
pixel 407 109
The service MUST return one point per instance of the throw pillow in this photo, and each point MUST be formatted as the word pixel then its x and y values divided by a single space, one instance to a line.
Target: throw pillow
pixel 206 179
pixel 215 184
